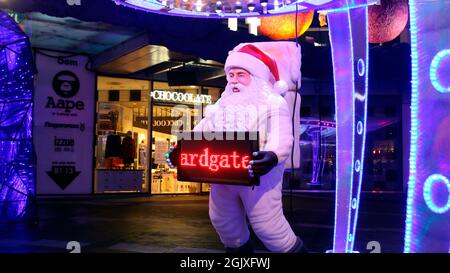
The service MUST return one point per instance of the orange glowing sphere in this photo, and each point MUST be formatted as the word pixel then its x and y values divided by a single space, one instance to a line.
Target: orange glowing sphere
pixel 282 27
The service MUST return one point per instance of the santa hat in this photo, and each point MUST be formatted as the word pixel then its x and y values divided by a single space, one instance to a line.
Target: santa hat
pixel 276 62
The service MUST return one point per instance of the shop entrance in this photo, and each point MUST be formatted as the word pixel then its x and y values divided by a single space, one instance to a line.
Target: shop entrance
pixel 134 130
pixel 122 133
pixel 175 107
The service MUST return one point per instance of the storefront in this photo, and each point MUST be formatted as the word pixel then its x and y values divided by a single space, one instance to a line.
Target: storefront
pixel 83 147
pixel 135 126
pixel 109 135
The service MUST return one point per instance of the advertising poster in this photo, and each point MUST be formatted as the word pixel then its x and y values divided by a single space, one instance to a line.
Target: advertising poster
pixel 63 123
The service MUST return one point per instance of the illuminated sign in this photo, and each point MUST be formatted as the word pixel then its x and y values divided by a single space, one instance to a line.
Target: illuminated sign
pixel 180 97
pixel 217 157
pixel 215 162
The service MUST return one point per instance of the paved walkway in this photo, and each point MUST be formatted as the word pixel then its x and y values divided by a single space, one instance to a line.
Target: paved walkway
pixel 180 224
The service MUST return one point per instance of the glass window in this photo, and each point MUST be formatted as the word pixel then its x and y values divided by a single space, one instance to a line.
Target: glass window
pixel 383 149
pixel 171 108
pixel 122 134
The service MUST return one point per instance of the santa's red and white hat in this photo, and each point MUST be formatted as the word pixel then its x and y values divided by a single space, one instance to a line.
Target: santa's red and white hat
pixel 258 59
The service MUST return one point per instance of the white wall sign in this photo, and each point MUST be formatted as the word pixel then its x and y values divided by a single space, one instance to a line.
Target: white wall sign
pixel 63 124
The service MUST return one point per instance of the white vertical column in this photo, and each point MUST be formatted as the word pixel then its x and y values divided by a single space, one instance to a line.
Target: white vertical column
pixel 348 36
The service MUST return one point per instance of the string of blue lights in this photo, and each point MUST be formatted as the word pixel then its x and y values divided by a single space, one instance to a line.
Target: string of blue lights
pixel 16 106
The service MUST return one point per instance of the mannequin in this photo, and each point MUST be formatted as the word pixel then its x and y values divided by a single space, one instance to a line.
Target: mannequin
pixel 113 149
pixel 128 150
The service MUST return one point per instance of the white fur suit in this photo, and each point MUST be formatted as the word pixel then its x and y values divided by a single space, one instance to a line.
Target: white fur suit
pixel 260 109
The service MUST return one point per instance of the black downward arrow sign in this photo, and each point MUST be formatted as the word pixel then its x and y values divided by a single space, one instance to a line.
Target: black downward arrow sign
pixel 63 175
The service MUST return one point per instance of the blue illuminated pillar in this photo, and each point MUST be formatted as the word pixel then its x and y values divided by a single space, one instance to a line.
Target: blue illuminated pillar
pixel 16 106
pixel 428 203
pixel 348 35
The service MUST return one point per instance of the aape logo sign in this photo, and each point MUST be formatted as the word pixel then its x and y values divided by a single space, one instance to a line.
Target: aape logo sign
pixel 66 84
pixel 67 105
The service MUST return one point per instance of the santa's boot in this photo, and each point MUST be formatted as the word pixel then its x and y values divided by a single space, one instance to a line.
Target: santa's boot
pixel 299 247
pixel 245 248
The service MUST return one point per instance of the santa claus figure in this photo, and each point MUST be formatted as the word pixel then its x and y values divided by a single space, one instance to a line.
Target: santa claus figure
pixel 258 75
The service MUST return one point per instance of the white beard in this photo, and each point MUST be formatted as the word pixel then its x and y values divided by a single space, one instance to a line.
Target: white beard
pixel 239 111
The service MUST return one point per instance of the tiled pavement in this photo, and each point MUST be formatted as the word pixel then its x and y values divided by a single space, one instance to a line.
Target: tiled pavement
pixel 180 224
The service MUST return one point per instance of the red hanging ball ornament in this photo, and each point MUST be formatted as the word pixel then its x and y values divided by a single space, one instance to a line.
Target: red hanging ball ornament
pixel 388 20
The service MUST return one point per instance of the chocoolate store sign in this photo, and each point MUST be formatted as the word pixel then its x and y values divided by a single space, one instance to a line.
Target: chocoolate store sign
pixel 179 97
pixel 63 123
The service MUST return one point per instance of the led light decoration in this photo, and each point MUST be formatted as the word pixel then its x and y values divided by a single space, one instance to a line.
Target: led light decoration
pixel 230 8
pixel 437 64
pixel 428 193
pixel 426 227
pixel 361 67
pixel 357 165
pixel 359 127
pixel 349 41
pixel 17 187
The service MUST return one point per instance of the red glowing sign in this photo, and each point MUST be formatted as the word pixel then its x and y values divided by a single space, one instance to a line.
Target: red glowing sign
pixel 214 162
pixel 217 158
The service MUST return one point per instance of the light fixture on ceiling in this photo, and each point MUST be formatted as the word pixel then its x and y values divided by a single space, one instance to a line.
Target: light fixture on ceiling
pixel 251 6
pixel 276 4
pixel 224 9
pixel 238 7
pixel 219 7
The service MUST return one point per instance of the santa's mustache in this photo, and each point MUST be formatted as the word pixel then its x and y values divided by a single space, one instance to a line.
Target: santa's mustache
pixel 239 86
pixel 256 90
